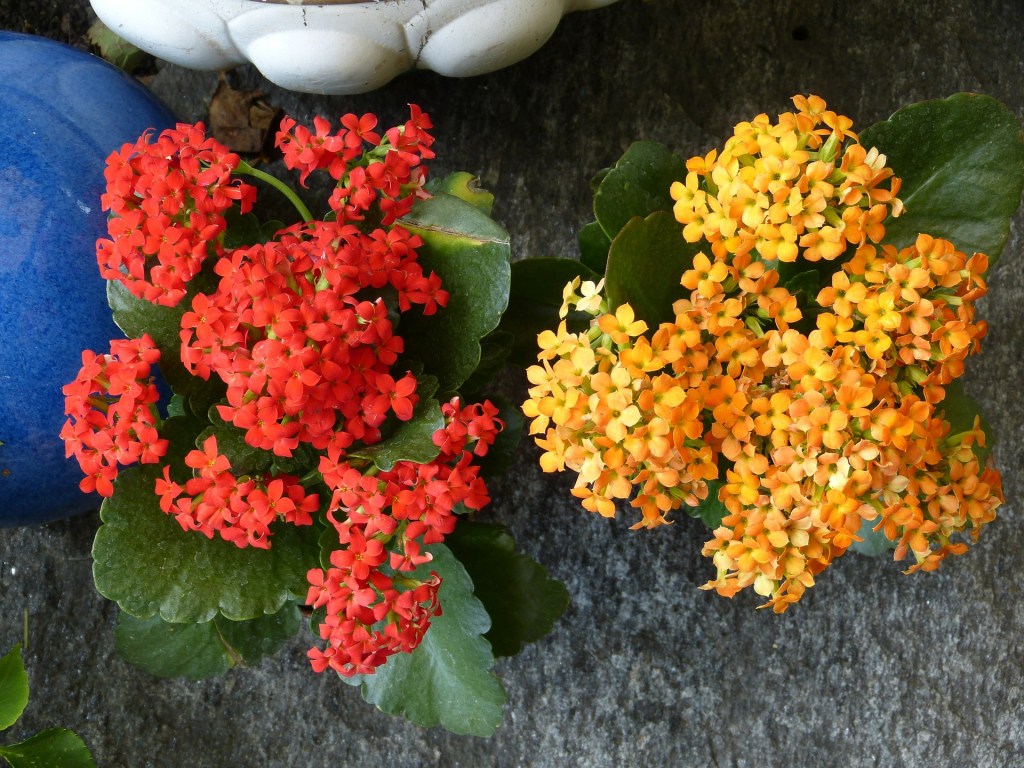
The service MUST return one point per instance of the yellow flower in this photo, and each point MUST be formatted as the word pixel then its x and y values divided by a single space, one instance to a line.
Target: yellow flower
pixel 588 300
pixel 622 325
pixel 777 188
pixel 705 277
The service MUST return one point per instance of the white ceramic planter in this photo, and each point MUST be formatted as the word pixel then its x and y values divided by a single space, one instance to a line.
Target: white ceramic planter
pixel 340 46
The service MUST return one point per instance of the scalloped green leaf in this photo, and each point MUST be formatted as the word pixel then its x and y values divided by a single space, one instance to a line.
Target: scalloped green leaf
pixel 13 687
pixel 495 348
pixel 447 680
pixel 136 316
pixel 645 263
pixel 143 560
pixel 961 160
pixel 594 245
pixel 207 649
pixel 464 186
pixel 303 458
pixel 177 406
pixel 115 49
pixel 49 748
pixel 637 185
pixel 471 254
pixel 873 543
pixel 522 600
pixel 243 229
pixel 327 544
pixel 413 440
pixel 534 300
pixel 711 510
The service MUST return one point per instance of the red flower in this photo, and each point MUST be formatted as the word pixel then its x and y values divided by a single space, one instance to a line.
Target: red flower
pixel 209 463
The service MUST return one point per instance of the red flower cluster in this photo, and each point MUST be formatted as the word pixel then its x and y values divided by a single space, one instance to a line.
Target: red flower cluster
pixel 389 175
pixel 240 509
pixel 167 199
pixel 305 354
pixel 112 417
pixel 372 611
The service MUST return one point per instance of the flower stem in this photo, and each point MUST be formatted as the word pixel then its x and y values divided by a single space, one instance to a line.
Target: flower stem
pixel 246 169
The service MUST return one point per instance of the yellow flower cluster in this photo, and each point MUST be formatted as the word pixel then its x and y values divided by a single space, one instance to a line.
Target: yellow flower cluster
pixel 811 420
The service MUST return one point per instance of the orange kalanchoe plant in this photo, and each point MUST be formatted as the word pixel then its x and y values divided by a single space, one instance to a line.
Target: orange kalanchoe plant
pixel 803 378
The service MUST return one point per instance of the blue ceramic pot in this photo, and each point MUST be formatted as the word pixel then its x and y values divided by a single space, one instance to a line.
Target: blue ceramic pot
pixel 62 112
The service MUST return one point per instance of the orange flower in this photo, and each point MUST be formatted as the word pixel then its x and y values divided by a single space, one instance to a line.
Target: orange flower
pixel 705 277
pixel 768 191
pixel 622 325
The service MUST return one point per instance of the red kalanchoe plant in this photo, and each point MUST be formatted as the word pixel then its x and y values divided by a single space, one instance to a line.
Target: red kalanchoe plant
pixel 303 441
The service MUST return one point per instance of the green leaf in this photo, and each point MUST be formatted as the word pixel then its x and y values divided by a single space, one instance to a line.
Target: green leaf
pixel 447 680
pixel 494 351
pixel 328 543
pixel 873 543
pixel 145 561
pixel 245 229
pixel 534 300
pixel 177 406
pixel 961 160
pixel 960 410
pixel 470 253
pixel 208 649
pixel 594 245
pixel 114 49
pixel 523 602
pixel 464 186
pixel 304 457
pixel 13 688
pixel 807 282
pixel 645 263
pixel 269 230
pixel 711 510
pixel 637 186
pixel 413 440
pixel 597 178
pixel 136 316
pixel 53 748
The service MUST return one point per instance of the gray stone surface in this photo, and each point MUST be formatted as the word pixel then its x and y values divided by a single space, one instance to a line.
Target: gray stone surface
pixel 872 668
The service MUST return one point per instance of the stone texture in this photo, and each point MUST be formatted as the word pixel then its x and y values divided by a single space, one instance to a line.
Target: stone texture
pixel 872 668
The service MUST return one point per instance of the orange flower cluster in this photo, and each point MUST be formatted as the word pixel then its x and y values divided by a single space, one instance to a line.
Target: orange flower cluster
pixel 803 187
pixel 811 420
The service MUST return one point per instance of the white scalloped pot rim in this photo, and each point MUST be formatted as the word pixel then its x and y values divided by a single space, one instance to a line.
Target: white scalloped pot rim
pixel 344 48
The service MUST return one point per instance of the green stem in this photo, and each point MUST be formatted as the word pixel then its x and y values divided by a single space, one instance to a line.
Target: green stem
pixel 247 170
